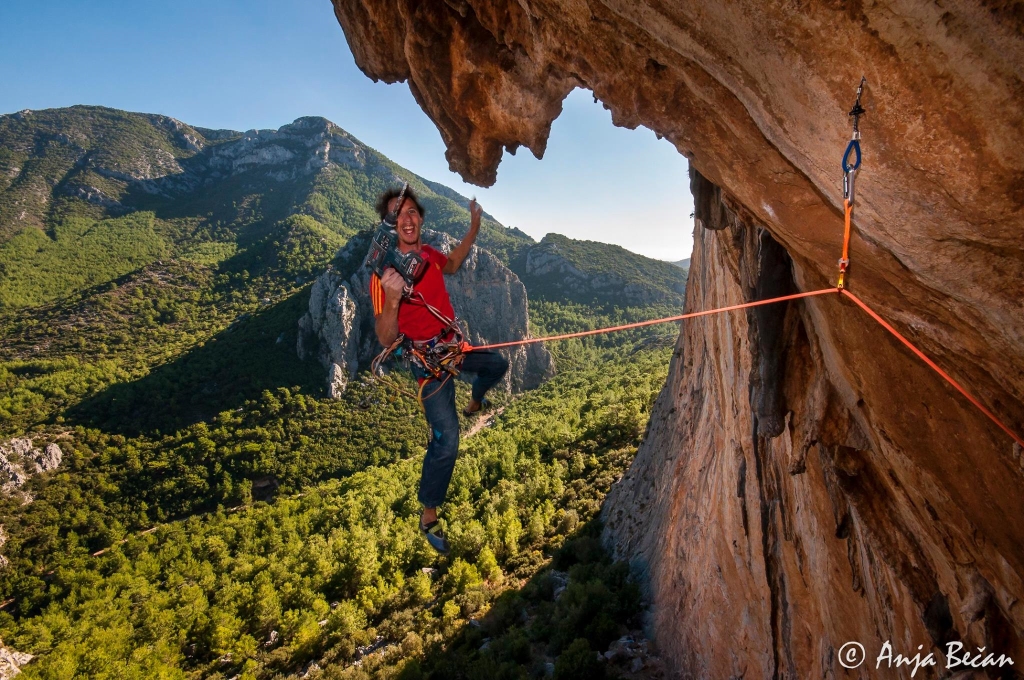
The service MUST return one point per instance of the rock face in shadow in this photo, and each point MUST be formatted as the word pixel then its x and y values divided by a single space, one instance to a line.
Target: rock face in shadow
pixel 488 298
pixel 806 481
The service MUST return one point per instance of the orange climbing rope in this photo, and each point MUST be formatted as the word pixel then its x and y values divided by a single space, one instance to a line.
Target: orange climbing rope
pixel 860 303
pixel 851 164
pixel 844 261
pixel 639 324
pixel 931 364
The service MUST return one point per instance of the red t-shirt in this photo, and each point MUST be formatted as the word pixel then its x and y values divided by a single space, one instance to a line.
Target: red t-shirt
pixel 414 320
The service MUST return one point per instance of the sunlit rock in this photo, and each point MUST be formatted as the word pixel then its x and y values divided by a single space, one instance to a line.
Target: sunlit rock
pixel 805 481
pixel 20 460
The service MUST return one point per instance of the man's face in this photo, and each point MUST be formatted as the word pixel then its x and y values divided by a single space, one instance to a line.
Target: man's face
pixel 409 222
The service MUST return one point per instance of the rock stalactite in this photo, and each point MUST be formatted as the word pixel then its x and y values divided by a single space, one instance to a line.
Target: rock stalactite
pixel 805 480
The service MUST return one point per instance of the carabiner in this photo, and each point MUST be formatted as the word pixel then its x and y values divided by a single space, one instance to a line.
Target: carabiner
pixel 848 179
pixel 854 146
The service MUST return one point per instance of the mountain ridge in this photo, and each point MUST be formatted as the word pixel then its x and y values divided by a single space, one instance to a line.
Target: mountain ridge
pixel 217 194
pixel 591 272
pixel 210 193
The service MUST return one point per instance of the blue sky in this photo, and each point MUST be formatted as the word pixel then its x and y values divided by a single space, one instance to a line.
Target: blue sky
pixel 261 64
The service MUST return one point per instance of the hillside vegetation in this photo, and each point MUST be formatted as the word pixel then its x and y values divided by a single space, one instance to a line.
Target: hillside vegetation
pixel 253 202
pixel 587 272
pixel 215 516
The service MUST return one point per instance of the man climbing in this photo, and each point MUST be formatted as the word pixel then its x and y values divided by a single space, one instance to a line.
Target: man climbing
pixel 397 314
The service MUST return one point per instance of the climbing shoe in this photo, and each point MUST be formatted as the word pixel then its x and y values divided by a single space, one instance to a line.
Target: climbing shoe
pixel 485 404
pixel 435 537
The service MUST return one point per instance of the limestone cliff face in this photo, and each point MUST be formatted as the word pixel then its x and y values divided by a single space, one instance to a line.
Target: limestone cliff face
pixel 11 662
pixel 298 149
pixel 805 481
pixel 488 298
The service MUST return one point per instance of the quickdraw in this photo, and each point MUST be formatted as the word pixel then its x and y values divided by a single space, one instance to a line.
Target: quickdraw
pixel 849 175
pixel 850 170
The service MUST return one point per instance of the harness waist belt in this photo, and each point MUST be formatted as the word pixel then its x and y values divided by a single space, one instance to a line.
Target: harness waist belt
pixel 443 337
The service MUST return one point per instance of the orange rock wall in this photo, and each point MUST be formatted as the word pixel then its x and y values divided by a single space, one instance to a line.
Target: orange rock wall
pixel 805 481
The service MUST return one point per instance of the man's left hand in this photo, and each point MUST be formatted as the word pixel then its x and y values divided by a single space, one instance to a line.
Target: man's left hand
pixel 459 252
pixel 474 214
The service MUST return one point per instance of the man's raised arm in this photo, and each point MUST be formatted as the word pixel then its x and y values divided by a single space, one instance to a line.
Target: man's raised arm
pixel 461 251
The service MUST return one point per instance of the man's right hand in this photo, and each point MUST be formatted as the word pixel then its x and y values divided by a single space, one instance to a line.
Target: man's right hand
pixel 393 284
pixel 386 324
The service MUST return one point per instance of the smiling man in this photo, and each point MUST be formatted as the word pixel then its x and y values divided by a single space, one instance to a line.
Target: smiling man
pixel 399 314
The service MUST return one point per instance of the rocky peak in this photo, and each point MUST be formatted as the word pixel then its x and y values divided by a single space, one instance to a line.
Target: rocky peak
pixel 161 155
pixel 488 298
pixel 312 126
pixel 306 146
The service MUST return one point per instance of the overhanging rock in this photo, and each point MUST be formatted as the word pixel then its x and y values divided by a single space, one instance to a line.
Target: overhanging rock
pixel 805 482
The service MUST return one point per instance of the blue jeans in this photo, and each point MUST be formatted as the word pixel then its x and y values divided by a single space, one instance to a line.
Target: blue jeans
pixel 439 408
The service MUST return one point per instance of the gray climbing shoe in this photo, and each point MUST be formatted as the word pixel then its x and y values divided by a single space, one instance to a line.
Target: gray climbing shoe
pixel 485 405
pixel 435 537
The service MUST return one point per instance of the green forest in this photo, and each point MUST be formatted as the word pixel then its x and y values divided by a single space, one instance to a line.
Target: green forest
pixel 215 515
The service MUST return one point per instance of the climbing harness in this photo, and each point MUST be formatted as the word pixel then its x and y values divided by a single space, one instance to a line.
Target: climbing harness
pixel 453 350
pixel 849 175
pixel 440 358
pixel 442 354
